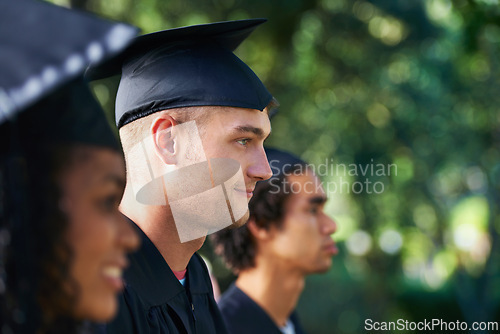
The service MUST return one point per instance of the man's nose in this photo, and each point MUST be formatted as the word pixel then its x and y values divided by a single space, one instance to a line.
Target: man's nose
pixel 259 168
pixel 329 225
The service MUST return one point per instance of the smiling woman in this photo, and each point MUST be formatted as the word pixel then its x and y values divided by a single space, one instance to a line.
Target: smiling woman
pixel 68 239
pixel 63 240
pixel 97 232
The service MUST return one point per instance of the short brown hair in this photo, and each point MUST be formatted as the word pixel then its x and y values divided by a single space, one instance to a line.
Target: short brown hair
pixel 134 132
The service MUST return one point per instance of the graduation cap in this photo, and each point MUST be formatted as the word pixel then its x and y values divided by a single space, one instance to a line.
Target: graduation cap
pixel 282 162
pixel 43 46
pixel 185 67
pixel 69 115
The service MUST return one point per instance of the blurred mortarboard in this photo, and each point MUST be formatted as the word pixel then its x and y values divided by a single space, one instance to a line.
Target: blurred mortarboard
pixel 69 115
pixel 185 67
pixel 281 162
pixel 44 50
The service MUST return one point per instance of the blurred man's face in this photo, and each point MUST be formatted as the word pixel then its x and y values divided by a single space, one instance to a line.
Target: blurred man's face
pixel 304 241
pixel 239 134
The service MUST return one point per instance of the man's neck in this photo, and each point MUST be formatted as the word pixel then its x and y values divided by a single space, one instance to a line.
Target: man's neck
pixel 273 287
pixel 159 226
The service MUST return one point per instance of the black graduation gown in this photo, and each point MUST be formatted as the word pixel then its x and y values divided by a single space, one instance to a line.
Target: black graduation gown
pixel 244 316
pixel 154 301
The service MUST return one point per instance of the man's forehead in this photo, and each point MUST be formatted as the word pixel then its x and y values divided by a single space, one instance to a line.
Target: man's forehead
pixel 241 118
pixel 308 185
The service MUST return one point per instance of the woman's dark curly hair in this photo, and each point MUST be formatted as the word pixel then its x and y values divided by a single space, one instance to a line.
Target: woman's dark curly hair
pixel 36 291
pixel 237 246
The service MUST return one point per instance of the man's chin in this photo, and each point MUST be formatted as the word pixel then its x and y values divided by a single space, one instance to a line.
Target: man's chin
pixel 240 222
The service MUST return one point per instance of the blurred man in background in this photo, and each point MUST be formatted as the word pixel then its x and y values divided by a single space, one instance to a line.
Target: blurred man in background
pixel 193 118
pixel 286 238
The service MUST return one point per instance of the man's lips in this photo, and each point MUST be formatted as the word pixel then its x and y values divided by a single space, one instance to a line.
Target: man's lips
pixel 248 192
pixel 331 248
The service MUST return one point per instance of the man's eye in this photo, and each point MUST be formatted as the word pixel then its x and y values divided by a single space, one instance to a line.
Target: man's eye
pixel 314 210
pixel 243 142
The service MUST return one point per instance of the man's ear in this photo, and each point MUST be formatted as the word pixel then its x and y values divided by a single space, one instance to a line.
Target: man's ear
pixel 259 233
pixel 164 138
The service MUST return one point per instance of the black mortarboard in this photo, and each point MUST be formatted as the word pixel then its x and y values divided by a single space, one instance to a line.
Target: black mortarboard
pixel 185 67
pixel 282 162
pixel 43 46
pixel 69 115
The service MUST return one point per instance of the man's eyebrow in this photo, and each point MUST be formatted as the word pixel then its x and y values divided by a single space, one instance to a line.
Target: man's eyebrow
pixel 318 200
pixel 252 129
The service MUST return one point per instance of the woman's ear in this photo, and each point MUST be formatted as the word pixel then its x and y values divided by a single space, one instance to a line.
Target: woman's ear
pixel 164 138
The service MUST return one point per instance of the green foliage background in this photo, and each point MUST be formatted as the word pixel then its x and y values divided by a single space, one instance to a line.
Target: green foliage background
pixel 413 83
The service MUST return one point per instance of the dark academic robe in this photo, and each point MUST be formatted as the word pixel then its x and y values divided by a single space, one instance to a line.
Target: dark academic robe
pixel 244 316
pixel 155 302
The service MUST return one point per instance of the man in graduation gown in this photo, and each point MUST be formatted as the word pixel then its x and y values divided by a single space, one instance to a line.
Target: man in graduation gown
pixel 192 118
pixel 286 238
